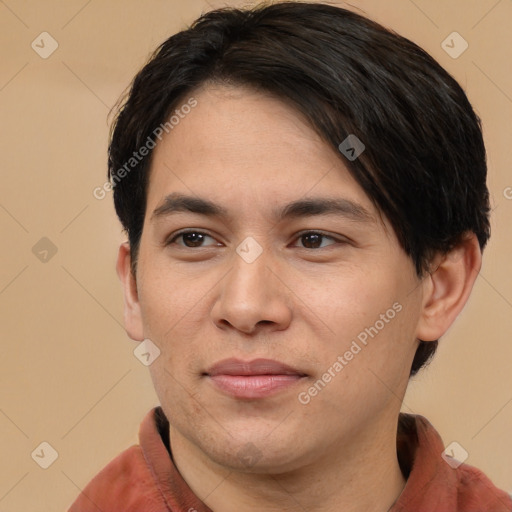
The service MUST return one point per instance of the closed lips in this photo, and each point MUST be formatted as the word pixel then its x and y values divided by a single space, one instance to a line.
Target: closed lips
pixel 255 367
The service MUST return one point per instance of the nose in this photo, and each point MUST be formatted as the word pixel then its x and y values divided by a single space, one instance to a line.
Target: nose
pixel 253 297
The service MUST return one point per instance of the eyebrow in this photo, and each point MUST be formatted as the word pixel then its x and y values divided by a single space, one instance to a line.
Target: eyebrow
pixel 316 206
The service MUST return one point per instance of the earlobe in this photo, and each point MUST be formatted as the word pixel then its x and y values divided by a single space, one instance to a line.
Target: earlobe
pixel 447 288
pixel 132 312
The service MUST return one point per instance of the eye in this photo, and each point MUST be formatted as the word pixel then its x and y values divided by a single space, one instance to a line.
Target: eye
pixel 314 238
pixel 193 238
pixel 190 238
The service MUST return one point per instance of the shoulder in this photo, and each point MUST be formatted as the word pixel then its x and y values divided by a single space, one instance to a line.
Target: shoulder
pixel 476 490
pixel 126 483
pixel 435 479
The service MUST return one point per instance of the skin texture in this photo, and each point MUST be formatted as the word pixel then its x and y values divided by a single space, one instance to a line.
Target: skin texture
pixel 298 303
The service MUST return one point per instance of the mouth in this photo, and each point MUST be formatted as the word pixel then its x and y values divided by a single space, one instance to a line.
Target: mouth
pixel 253 379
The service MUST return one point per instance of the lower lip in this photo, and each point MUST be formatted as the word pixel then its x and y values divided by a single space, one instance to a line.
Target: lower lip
pixel 254 386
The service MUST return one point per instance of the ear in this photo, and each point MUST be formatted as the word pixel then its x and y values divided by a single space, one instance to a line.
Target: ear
pixel 447 288
pixel 132 314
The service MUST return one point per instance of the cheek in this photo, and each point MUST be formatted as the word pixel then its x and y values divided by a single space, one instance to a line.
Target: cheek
pixel 346 302
pixel 175 310
pixel 177 396
pixel 167 298
pixel 367 319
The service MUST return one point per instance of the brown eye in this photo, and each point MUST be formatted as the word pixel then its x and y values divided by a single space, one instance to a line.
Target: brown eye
pixel 190 238
pixel 313 239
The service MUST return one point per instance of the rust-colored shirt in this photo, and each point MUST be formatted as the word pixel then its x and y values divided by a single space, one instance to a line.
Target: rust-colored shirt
pixel 144 478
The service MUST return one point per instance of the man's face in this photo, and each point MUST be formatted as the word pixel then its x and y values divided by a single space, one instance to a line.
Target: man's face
pixel 340 306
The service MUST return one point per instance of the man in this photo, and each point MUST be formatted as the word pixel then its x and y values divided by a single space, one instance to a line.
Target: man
pixel 304 194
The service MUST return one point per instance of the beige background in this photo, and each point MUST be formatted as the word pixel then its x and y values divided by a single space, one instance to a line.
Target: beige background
pixel 68 373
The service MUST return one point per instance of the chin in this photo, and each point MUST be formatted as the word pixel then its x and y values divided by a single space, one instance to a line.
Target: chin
pixel 257 454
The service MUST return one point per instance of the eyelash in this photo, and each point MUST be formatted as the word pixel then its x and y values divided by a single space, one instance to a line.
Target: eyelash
pixel 299 235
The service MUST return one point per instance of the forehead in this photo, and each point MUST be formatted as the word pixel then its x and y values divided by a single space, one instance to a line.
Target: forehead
pixel 245 150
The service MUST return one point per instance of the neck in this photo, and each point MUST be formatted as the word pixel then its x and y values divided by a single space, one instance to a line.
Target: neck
pixel 359 476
